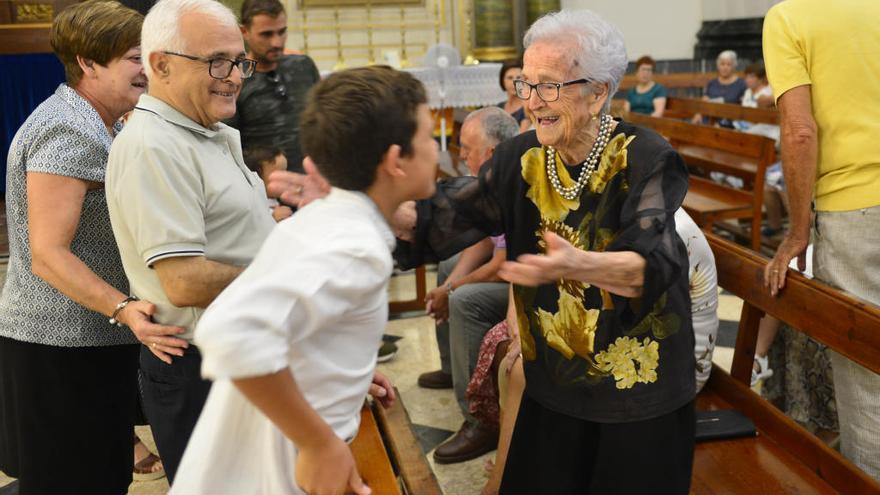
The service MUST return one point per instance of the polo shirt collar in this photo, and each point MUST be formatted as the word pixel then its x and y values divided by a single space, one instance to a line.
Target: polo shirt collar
pixel 170 114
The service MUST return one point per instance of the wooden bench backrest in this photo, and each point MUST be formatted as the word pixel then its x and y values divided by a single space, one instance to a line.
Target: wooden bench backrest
pixel 844 323
pixel 681 80
pixel 687 107
pixel 741 143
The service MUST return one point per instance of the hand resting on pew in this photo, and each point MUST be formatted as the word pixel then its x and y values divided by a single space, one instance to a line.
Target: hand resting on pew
pixel 382 390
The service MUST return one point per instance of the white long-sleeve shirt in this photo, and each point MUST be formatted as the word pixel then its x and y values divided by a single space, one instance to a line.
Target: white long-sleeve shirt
pixel 314 299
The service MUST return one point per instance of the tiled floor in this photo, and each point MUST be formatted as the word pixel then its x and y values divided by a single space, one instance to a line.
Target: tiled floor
pixel 433 412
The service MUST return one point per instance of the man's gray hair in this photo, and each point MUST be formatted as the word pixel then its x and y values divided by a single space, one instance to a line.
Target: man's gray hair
pixel 600 50
pixel 729 55
pixel 496 124
pixel 161 31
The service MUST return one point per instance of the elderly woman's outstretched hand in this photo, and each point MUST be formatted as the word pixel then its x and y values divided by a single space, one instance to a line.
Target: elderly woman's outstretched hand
pixel 559 262
pixel 298 189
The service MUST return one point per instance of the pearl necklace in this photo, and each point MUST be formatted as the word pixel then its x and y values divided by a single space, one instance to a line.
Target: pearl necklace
pixel 589 165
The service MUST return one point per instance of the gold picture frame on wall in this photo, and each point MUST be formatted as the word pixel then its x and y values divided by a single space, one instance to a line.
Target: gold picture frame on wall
pixel 25 25
pixel 310 4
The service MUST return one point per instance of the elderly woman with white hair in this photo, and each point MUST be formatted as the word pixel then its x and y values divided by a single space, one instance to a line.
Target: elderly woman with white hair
pixel 587 205
pixel 728 87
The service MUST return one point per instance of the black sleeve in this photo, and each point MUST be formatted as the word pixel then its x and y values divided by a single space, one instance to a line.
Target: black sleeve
pixel 648 228
pixel 462 211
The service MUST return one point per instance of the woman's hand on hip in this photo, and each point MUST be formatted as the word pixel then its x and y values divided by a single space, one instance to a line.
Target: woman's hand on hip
pixel 160 339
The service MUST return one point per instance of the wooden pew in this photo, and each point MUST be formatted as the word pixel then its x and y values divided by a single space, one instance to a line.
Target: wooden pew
pixel 784 457
pixel 416 304
pixel 688 107
pixel 388 456
pixel 676 81
pixel 715 149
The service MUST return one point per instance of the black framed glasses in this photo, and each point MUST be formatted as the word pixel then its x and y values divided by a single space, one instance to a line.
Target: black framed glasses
pixel 280 88
pixel 547 91
pixel 221 67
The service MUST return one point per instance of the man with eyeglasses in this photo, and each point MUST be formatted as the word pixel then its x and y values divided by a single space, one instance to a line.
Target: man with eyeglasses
pixel 187 213
pixel 271 101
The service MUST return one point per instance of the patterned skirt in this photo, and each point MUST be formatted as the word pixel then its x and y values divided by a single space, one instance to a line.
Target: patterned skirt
pixel 801 386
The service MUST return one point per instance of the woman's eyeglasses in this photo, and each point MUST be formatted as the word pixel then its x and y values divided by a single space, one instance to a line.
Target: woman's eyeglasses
pixel 547 91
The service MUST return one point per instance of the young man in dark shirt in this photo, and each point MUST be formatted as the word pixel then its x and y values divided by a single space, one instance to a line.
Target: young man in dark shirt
pixel 271 101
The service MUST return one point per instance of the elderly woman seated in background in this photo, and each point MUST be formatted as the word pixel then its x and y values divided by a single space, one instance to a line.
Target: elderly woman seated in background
pixel 728 87
pixel 587 206
pixel 68 369
pixel 648 96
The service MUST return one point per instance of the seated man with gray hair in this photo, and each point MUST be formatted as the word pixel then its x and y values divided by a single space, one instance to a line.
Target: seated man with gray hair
pixel 470 298
pixel 187 213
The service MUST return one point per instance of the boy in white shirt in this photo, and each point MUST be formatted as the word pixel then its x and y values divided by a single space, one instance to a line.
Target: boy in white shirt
pixel 291 343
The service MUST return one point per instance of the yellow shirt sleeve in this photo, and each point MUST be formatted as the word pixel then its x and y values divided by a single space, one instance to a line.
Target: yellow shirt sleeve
pixel 785 53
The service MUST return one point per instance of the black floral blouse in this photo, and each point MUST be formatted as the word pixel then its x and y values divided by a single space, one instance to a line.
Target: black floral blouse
pixel 587 353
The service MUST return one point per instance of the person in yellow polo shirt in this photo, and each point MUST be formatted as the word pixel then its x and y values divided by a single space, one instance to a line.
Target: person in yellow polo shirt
pixel 823 62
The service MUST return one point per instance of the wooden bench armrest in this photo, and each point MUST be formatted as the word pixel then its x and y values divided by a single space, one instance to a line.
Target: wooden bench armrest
pixel 371 456
pixel 388 455
pixel 409 460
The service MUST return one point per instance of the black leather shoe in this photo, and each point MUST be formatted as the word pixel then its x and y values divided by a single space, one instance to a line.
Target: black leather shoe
pixel 435 379
pixel 470 442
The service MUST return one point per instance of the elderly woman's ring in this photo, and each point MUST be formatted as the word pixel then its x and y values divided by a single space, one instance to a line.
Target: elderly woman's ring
pixel 153 345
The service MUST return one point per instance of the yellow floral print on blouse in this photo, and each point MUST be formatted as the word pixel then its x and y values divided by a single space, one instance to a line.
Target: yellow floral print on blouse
pixel 552 206
pixel 630 361
pixel 572 329
pixel 612 161
pixel 573 287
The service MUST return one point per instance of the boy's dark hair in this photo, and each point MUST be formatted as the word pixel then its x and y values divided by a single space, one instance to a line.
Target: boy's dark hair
pixel 252 8
pixel 513 63
pixel 757 69
pixel 352 117
pixel 255 157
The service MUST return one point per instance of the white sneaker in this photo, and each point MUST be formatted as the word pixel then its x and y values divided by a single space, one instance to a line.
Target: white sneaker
pixel 763 372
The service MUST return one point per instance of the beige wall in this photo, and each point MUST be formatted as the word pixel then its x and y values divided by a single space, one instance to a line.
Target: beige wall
pixel 664 29
pixel 717 10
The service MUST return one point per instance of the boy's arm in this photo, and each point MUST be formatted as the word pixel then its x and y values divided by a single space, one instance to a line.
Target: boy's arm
pixel 324 463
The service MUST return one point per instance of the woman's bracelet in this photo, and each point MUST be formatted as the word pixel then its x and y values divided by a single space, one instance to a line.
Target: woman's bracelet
pixel 119 308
